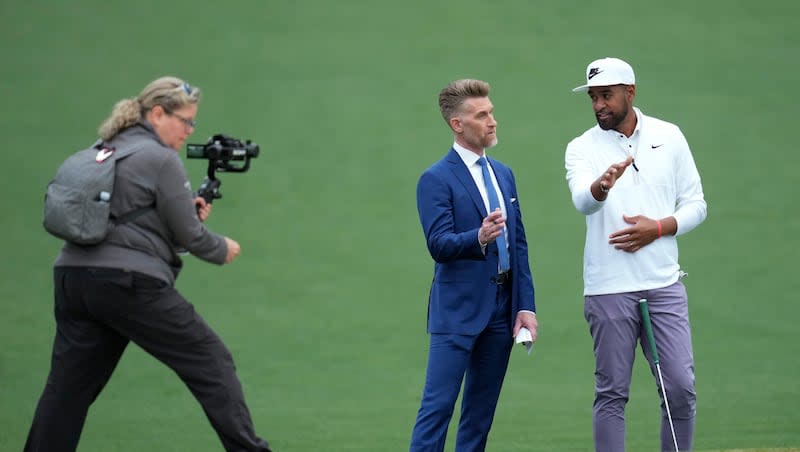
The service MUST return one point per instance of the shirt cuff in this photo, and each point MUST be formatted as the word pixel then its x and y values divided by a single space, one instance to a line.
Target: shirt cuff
pixel 483 245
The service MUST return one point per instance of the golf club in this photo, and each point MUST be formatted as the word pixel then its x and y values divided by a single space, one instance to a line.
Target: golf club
pixel 651 340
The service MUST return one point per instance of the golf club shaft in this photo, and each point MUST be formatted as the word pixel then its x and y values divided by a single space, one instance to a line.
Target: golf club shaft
pixel 648 328
pixel 666 404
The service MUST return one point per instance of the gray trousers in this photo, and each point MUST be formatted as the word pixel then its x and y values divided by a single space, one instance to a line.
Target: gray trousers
pixel 98 311
pixel 616 326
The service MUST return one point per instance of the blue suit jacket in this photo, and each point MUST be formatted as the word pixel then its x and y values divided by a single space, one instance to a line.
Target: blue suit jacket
pixel 462 296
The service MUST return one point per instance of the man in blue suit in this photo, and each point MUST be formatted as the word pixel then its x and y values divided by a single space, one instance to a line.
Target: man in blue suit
pixel 482 290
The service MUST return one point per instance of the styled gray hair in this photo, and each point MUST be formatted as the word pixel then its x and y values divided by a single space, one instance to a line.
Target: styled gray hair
pixel 171 93
pixel 452 96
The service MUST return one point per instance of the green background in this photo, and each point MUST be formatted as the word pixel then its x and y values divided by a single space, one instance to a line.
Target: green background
pixel 324 311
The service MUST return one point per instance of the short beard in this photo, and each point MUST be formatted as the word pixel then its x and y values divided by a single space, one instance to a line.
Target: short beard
pixel 613 122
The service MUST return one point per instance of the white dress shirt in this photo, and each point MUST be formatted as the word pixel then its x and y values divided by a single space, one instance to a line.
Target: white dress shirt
pixel 471 160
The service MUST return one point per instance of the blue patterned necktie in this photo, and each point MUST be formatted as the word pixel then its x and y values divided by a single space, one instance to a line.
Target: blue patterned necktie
pixel 494 204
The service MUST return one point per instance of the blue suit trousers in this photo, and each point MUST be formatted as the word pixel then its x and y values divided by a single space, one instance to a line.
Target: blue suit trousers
pixel 481 362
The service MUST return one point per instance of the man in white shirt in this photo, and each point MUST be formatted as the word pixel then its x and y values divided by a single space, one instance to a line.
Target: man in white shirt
pixel 634 178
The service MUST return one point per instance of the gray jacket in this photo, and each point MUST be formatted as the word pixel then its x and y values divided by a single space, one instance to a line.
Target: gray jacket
pixel 153 176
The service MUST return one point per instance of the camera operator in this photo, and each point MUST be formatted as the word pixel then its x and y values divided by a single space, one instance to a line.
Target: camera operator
pixel 122 289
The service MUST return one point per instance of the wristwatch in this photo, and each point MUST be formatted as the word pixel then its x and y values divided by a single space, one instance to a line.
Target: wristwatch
pixel 603 188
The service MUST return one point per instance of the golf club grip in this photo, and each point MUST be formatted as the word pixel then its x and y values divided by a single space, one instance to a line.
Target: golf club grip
pixel 648 328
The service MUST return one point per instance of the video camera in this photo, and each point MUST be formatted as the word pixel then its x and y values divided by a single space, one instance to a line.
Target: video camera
pixel 221 151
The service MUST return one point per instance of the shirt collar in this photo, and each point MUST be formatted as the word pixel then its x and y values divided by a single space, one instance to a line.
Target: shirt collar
pixel 638 127
pixel 468 157
pixel 145 124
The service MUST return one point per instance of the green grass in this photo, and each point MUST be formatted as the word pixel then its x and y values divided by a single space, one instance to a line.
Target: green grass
pixel 756 450
pixel 325 309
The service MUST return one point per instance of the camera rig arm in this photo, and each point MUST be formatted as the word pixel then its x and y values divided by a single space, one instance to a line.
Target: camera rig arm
pixel 209 189
pixel 221 151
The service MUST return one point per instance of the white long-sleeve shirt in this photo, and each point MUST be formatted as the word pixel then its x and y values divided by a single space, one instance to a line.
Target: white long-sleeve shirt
pixel 666 184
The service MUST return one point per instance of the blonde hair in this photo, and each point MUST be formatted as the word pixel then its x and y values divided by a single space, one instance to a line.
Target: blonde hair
pixel 171 93
pixel 455 93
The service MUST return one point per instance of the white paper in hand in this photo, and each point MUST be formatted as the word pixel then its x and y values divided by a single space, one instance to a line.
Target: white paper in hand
pixel 524 338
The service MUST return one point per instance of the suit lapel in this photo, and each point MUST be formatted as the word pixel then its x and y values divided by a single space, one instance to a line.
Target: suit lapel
pixel 462 173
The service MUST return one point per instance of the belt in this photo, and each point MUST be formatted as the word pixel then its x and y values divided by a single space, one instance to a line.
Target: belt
pixel 501 278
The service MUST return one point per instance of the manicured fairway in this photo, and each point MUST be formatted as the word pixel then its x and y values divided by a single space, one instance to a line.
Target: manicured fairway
pixel 325 309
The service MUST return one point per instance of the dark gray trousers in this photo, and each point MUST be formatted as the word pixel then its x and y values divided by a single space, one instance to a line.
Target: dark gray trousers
pixel 98 311
pixel 616 327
